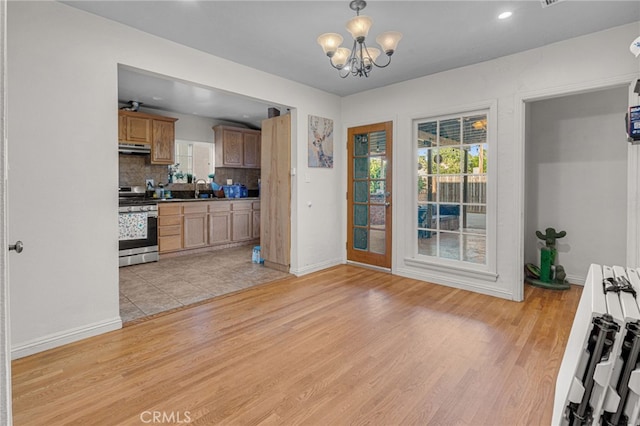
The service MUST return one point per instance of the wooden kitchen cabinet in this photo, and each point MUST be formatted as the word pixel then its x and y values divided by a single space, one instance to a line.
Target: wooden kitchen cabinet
pixel 241 221
pixel 134 127
pixel 184 226
pixel 163 142
pixel 251 150
pixel 219 222
pixel 169 228
pixel 154 130
pixel 195 225
pixel 237 147
pixel 255 213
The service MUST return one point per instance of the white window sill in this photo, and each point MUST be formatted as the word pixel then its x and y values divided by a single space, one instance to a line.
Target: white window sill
pixel 452 269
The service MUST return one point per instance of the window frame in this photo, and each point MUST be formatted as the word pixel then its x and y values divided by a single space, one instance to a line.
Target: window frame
pixel 487 270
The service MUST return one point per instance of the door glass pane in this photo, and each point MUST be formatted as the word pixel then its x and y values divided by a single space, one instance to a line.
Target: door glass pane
pixel 377 239
pixel 378 190
pixel 360 193
pixel 361 145
pixel 450 245
pixel 450 132
pixel 360 238
pixel 377 167
pixel 427 216
pixel 360 168
pixel 378 216
pixel 360 214
pixel 474 248
pixel 378 143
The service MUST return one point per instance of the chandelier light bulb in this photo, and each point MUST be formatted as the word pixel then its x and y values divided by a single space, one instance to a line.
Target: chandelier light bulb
pixel 359 27
pixel 389 41
pixel 369 55
pixel 340 57
pixel 330 43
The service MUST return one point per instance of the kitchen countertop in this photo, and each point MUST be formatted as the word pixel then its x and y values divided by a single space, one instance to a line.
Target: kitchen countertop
pixel 182 200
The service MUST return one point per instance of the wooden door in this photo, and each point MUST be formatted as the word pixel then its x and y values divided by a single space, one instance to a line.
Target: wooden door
pixel 275 192
pixel 369 195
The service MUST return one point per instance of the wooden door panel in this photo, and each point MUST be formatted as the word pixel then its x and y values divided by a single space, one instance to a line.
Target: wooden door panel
pixel 369 194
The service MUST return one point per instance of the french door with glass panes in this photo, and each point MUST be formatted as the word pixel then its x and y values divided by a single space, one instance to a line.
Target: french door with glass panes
pixel 369 194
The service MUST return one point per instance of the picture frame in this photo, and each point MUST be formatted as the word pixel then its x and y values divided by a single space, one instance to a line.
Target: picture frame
pixel 320 144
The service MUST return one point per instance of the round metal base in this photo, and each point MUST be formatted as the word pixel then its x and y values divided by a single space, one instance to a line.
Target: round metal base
pixel 358 5
pixel 550 286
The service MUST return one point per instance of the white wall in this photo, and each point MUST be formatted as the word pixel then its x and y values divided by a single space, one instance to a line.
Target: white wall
pixel 62 128
pixel 594 59
pixel 576 179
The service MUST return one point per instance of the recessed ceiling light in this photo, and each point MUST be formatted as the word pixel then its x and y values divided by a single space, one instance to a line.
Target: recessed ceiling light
pixel 505 15
pixel 157 98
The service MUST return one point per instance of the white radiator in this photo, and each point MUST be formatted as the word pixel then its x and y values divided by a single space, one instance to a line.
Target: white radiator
pixel 599 378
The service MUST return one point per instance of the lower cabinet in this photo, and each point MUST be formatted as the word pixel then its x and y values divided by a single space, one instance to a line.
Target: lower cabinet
pixel 169 228
pixel 256 219
pixel 241 221
pixel 219 222
pixel 194 223
pixel 201 224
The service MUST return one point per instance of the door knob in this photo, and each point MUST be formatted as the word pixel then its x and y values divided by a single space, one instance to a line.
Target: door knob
pixel 18 247
pixel 387 204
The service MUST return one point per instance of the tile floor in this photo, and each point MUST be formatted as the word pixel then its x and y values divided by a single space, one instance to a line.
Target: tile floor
pixel 151 288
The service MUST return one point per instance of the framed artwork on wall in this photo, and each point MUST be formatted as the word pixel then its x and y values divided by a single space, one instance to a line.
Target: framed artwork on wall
pixel 320 146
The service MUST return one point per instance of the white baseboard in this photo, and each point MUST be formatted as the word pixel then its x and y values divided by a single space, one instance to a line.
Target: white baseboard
pixel 316 267
pixel 457 282
pixel 576 279
pixel 58 339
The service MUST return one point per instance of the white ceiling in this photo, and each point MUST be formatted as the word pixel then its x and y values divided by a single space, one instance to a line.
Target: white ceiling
pixel 279 37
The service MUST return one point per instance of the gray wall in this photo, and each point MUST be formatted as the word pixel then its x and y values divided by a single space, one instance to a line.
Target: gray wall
pixel 576 178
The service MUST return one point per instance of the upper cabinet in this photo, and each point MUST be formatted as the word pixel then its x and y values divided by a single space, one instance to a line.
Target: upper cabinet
pixel 155 130
pixel 237 147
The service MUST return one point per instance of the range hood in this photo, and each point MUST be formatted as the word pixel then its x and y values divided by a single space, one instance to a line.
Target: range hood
pixel 134 148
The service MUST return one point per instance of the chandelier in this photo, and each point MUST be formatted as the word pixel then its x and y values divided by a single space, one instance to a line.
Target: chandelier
pixel 360 59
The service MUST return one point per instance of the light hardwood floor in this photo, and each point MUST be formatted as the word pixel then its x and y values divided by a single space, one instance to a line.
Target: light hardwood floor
pixel 342 346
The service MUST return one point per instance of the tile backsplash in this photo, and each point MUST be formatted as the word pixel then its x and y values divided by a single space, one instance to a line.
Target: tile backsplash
pixel 248 177
pixel 135 169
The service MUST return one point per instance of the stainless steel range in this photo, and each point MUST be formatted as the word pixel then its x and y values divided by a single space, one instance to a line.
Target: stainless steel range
pixel 138 226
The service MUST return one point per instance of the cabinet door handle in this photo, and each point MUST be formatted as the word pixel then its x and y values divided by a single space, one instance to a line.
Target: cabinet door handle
pixel 18 247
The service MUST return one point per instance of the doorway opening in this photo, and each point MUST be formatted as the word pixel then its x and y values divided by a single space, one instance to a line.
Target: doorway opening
pixel 576 178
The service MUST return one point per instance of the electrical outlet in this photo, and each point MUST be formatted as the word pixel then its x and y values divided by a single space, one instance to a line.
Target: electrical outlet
pixel 149 183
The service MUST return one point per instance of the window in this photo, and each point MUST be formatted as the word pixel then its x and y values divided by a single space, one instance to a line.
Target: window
pixel 193 159
pixel 452 187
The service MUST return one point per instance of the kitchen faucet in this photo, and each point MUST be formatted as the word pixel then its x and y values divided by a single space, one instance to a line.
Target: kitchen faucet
pixel 196 186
